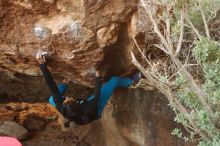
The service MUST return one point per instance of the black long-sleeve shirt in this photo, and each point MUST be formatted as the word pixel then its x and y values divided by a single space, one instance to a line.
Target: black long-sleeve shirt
pixel 81 111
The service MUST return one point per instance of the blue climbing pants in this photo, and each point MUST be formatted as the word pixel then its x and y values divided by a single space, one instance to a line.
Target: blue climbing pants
pixel 108 89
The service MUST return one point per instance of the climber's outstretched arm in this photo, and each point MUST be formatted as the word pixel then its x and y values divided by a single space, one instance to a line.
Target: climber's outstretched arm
pixel 98 86
pixel 49 80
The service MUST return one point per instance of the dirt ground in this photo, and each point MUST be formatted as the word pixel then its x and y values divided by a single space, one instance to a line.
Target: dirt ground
pixel 50 135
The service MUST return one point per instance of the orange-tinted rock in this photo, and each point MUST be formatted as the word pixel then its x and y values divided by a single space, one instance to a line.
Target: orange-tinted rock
pixel 107 35
pixel 34 122
pixel 73 32
pixel 6 114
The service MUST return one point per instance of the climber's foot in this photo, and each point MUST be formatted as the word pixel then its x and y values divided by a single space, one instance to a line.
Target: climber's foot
pixel 136 77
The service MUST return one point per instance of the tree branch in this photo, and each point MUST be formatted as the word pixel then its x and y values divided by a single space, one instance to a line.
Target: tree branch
pixel 181 32
pixel 194 28
pixel 156 29
pixel 161 48
pixel 200 93
pixel 139 49
pixel 168 31
pixel 143 71
pixel 204 20
pixel 167 92
pixel 180 70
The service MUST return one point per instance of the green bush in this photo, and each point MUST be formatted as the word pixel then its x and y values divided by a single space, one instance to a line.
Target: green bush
pixel 207 53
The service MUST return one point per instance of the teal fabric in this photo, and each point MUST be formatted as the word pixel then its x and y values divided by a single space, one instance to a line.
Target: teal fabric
pixel 62 89
pixel 108 89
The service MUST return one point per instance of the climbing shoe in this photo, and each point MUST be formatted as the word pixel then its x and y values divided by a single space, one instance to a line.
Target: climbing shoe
pixel 136 77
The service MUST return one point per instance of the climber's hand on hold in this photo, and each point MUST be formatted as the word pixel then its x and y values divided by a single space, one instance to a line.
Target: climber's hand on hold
pixel 40 57
pixel 97 73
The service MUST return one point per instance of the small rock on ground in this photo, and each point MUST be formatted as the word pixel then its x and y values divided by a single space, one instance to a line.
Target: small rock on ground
pixel 13 129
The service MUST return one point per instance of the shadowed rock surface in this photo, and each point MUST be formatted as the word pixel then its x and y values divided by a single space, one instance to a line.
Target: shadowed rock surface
pixel 134 117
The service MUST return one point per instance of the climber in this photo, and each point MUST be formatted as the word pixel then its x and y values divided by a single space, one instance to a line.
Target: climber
pixel 82 111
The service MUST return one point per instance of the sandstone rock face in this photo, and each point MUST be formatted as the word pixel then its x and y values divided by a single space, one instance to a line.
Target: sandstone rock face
pixel 34 122
pixel 107 35
pixel 138 117
pixel 77 34
pixel 10 128
pixel 74 33
pixel 7 115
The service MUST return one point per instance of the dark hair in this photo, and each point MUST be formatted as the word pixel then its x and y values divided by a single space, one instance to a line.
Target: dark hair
pixel 70 110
